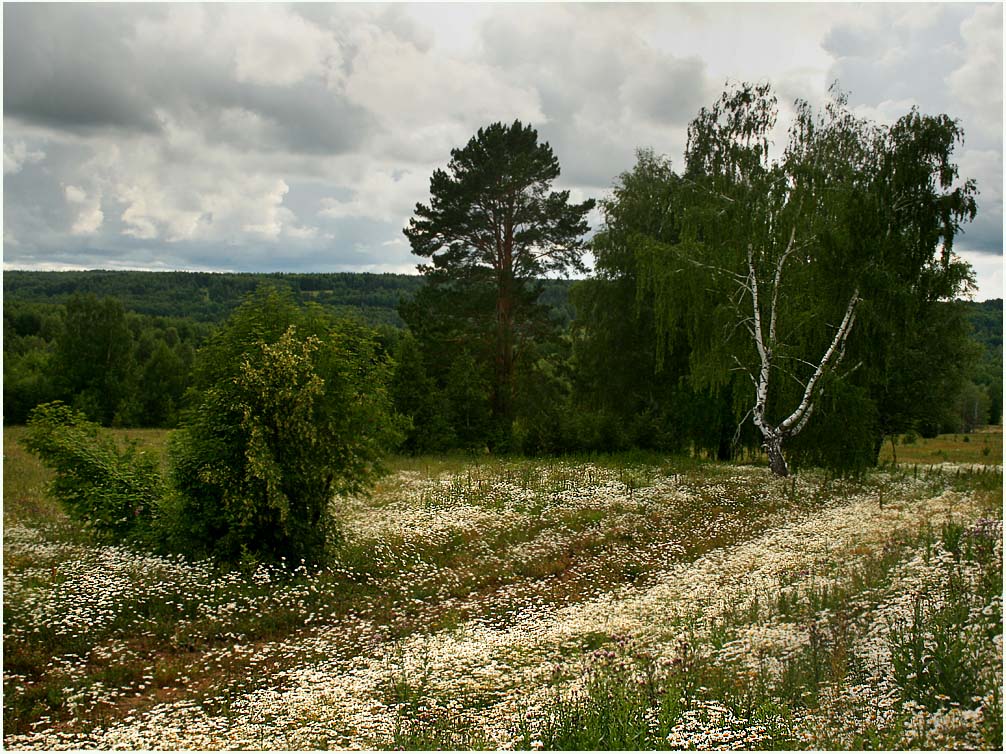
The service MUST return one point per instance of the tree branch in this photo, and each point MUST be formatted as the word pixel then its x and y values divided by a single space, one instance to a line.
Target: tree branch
pixel 775 286
pixel 795 421
pixel 741 368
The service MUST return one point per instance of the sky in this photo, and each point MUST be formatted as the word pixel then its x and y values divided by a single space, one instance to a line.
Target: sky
pixel 261 137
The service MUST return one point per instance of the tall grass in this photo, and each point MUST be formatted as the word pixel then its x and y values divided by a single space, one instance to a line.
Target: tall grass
pixel 981 447
pixel 97 637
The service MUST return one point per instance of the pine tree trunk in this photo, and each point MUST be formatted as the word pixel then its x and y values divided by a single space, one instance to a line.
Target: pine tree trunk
pixel 504 388
pixel 503 394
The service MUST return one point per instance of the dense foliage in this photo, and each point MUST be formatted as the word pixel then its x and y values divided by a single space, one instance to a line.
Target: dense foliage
pixel 821 265
pixel 604 403
pixel 986 319
pixel 646 390
pixel 289 407
pixel 493 227
pixel 116 366
pixel 114 492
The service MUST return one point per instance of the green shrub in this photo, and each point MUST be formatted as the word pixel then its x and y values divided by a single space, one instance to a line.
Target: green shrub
pixel 291 409
pixel 115 492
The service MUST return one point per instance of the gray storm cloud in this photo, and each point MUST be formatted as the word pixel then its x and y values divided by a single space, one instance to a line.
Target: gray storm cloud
pixel 258 137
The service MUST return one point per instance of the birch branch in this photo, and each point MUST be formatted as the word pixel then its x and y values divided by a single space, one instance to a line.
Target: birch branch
pixel 775 285
pixel 740 279
pixel 740 426
pixel 837 345
pixel 741 368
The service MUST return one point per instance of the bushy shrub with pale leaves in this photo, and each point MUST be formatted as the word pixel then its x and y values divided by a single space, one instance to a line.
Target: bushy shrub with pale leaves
pixel 114 491
pixel 293 409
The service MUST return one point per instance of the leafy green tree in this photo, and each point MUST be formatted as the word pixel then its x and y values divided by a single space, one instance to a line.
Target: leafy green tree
pixel 913 342
pixel 492 227
pixel 417 397
pixel 162 383
pixel 986 319
pixel 27 379
pixel 150 362
pixel 622 367
pixel 93 355
pixel 614 332
pixel 970 409
pixel 778 257
pixel 290 408
pixel 543 403
pixel 916 374
pixel 29 332
pixel 467 389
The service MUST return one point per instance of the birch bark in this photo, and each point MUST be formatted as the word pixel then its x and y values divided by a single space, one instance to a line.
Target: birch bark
pixel 767 347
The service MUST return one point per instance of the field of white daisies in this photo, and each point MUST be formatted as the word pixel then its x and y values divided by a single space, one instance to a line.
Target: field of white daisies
pixel 621 603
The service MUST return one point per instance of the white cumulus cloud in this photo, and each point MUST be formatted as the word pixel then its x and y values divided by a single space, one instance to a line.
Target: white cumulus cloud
pixel 386 195
pixel 90 217
pixel 16 155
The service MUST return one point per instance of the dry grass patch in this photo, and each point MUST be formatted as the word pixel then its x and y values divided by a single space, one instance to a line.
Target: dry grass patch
pixel 982 447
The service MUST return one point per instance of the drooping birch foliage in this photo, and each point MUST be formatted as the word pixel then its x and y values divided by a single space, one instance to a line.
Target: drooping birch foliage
pixel 778 254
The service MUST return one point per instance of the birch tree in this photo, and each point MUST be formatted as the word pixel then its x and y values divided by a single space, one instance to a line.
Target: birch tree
pixel 779 255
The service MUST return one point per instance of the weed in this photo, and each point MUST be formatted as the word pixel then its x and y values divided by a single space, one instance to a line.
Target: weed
pixel 951 534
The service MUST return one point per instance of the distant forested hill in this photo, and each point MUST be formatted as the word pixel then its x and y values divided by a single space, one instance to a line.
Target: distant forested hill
pixel 987 322
pixel 211 296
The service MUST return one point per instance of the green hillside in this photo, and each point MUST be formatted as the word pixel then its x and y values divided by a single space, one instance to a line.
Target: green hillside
pixel 211 296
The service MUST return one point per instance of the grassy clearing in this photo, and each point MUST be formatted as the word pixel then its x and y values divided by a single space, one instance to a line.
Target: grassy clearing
pixel 618 602
pixel 984 446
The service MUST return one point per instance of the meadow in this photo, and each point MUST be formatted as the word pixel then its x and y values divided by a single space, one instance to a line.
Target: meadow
pixel 984 446
pixel 632 601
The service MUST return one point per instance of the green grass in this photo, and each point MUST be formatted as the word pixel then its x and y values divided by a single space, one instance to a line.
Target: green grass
pixel 178 641
pixel 180 627
pixel 984 446
pixel 24 481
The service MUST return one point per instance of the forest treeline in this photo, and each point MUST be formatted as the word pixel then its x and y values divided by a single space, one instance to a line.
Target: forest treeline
pixel 120 346
pixel 212 296
pixel 806 303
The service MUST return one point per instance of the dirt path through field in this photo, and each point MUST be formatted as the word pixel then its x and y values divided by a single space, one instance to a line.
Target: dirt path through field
pixel 496 670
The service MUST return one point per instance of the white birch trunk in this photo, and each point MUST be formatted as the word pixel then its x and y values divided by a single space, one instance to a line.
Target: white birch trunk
pixel 774 436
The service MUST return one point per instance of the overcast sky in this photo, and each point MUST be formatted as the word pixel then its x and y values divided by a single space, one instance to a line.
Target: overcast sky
pixel 299 137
